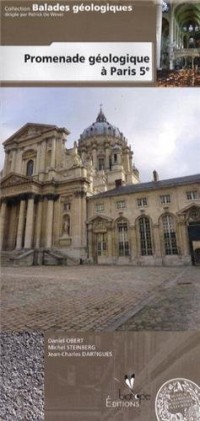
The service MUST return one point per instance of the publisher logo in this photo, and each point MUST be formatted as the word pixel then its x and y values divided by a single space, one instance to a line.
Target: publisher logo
pixel 130 380
pixel 127 395
pixel 178 400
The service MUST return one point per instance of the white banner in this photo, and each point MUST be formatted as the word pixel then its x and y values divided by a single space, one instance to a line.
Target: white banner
pixel 78 62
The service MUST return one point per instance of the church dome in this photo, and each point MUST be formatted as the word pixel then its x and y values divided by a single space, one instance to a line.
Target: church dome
pixel 101 127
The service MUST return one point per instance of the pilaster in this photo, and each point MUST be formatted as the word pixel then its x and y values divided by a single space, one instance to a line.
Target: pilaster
pixel 53 154
pixel 5 164
pixel 156 239
pixel 13 160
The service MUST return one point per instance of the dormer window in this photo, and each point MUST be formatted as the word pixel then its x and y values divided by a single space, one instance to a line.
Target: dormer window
pixel 29 168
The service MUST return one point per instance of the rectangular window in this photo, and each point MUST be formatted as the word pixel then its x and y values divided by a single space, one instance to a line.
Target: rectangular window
pixel 101 164
pixel 165 198
pixel 121 204
pixel 99 207
pixel 191 195
pixel 142 201
pixel 67 206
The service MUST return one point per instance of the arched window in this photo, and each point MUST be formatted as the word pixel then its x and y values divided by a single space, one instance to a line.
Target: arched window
pixel 123 243
pixel 169 234
pixel 29 168
pixel 145 236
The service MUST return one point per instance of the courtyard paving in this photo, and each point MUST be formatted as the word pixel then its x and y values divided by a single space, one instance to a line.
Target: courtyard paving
pixel 101 298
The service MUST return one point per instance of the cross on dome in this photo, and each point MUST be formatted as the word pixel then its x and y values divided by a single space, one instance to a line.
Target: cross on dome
pixel 101 117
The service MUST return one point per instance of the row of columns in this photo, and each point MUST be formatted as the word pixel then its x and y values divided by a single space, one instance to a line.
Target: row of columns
pixel 176 37
pixel 25 228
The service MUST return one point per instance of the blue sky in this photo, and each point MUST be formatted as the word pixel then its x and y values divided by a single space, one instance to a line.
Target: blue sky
pixel 162 125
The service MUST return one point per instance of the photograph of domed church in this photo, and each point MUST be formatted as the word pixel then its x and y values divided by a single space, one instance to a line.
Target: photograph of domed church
pixel 178 43
pixel 88 204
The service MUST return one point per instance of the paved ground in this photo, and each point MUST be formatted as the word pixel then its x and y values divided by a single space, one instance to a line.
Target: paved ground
pixel 100 298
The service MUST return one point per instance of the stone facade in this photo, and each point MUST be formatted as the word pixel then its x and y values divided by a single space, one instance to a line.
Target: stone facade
pixel 87 202
pixel 152 223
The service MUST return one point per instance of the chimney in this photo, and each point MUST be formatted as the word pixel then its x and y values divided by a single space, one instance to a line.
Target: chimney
pixel 118 183
pixel 155 176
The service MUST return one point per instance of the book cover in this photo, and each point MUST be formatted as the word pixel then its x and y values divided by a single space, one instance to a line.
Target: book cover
pixel 100 210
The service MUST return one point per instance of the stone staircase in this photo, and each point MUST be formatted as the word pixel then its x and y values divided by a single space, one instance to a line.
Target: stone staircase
pixel 60 257
pixel 7 258
pixel 46 257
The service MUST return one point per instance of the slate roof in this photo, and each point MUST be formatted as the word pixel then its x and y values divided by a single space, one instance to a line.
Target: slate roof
pixel 149 186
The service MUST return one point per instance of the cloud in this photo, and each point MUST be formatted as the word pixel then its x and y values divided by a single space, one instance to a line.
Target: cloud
pixel 161 124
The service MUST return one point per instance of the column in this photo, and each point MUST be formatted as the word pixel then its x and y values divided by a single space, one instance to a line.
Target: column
pixel 21 221
pixel 94 156
pixel 131 160
pixel 49 223
pixel 38 223
pixel 107 163
pixel 158 31
pixel 192 63
pixel 53 153
pixel 29 223
pixel 171 40
pixel 127 161
pixel 2 222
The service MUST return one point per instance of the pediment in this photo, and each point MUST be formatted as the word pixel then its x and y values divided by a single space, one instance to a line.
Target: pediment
pixel 14 179
pixel 189 208
pixel 28 131
pixel 190 213
pixel 99 219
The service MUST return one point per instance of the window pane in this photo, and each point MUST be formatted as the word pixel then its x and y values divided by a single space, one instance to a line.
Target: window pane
pixel 101 244
pixel 123 242
pixel 145 236
pixel 29 169
pixel 169 235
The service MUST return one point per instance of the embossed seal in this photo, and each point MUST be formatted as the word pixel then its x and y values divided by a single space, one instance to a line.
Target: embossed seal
pixel 178 400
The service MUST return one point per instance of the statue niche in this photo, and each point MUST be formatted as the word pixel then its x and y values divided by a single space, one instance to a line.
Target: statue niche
pixel 66 226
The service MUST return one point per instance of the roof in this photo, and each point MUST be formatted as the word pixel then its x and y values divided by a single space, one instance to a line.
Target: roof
pixel 101 127
pixel 149 186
